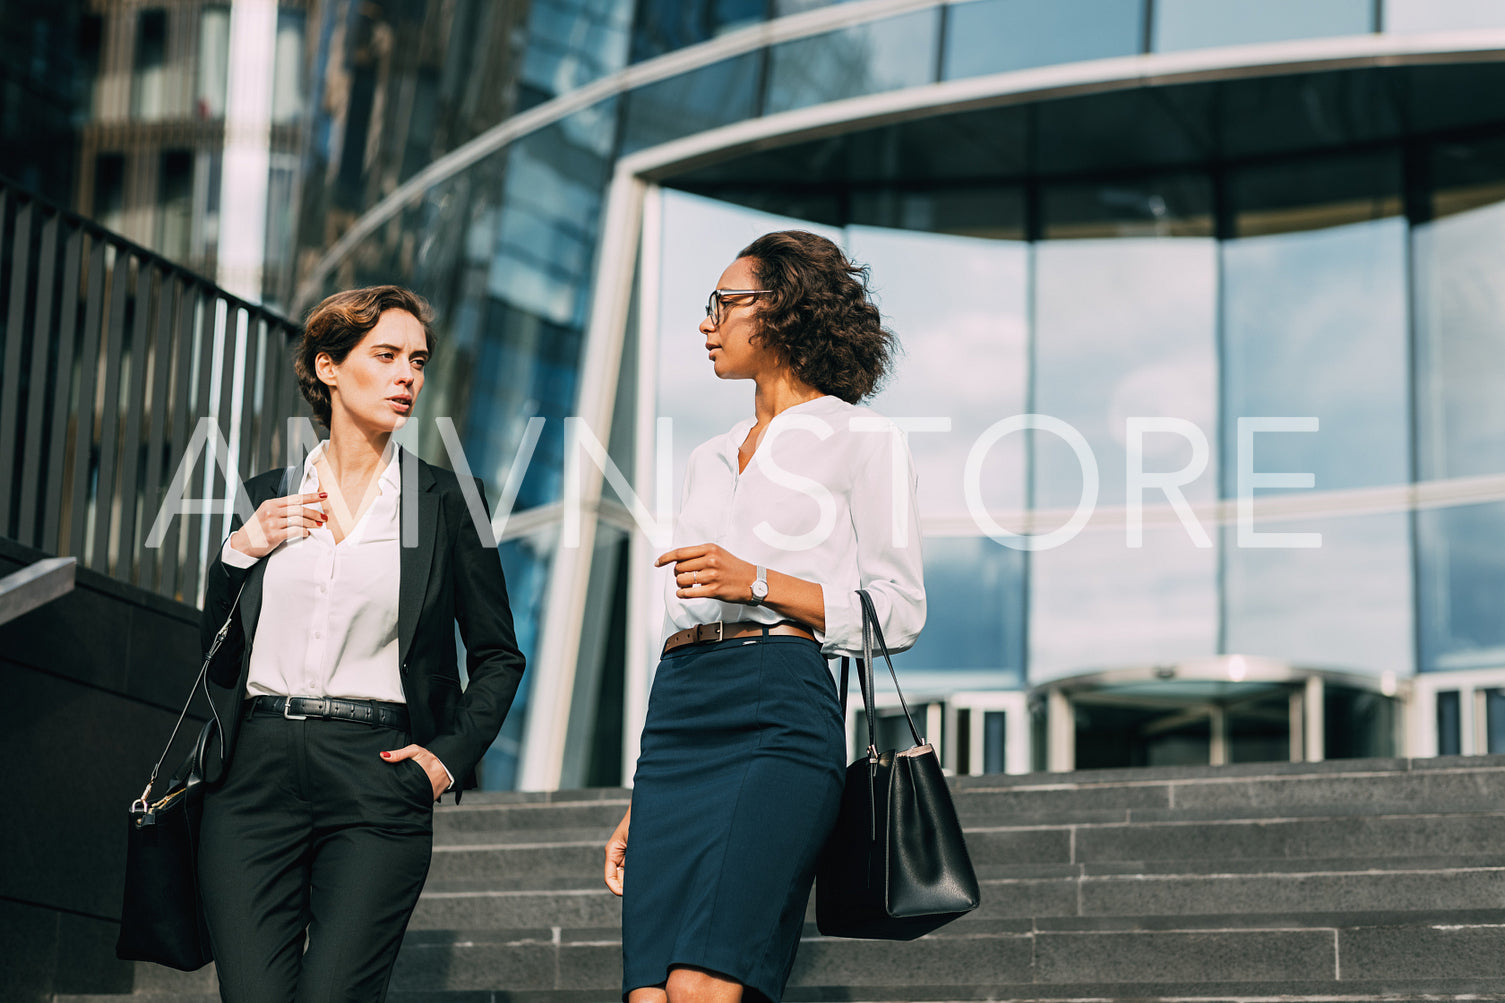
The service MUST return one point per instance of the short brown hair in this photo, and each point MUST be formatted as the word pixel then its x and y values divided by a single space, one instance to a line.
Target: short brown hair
pixel 338 324
pixel 818 315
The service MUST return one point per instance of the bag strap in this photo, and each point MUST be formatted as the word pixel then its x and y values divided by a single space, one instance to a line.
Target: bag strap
pixel 144 802
pixel 872 632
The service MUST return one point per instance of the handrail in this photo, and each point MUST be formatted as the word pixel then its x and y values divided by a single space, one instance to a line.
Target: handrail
pixel 112 359
pixel 35 585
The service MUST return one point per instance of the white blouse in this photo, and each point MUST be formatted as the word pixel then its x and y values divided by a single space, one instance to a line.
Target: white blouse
pixel 328 623
pixel 829 497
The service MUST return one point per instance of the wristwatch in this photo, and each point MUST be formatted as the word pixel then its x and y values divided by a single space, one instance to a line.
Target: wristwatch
pixel 759 587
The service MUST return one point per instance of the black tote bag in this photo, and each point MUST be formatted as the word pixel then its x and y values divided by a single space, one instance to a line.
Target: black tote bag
pixel 161 913
pixel 896 866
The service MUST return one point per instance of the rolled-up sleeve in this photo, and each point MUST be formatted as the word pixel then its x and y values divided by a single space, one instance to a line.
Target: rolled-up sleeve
pixel 889 551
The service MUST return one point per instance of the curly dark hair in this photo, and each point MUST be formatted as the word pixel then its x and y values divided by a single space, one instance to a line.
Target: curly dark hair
pixel 338 324
pixel 818 315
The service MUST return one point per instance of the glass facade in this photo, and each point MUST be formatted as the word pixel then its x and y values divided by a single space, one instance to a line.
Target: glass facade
pixel 1318 245
pixel 1199 24
pixel 994 36
pixel 1309 279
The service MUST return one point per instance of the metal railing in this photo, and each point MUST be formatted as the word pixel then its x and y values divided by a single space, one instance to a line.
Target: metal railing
pixel 111 358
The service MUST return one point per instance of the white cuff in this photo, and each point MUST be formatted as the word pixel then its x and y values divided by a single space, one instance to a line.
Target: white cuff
pixel 233 558
pixel 446 773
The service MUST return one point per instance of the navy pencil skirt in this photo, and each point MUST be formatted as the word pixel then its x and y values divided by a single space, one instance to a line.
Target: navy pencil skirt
pixel 736 789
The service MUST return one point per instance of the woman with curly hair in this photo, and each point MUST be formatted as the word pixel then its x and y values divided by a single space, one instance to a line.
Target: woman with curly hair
pixel 783 519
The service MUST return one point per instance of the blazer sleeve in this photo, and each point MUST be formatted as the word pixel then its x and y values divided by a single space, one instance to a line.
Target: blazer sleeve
pixel 493 661
pixel 222 584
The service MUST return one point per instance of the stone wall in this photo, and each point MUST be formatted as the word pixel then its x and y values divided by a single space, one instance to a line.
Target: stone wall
pixel 95 680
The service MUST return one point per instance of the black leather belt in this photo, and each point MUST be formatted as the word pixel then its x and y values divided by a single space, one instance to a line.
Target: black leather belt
pixel 709 633
pixel 373 712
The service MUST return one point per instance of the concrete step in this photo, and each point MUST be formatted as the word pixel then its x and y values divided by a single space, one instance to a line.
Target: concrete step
pixel 1357 991
pixel 1270 953
pixel 1354 787
pixel 1359 880
pixel 506 910
pixel 1336 956
pixel 505 900
pixel 1334 790
pixel 1370 842
pixel 490 821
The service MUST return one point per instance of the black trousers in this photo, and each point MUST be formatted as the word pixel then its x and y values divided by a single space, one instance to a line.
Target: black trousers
pixel 313 835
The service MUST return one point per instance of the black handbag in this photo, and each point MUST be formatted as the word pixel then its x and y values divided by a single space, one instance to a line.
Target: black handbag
pixel 162 915
pixel 896 866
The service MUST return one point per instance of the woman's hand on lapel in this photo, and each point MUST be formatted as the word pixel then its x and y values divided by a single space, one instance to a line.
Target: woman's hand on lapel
pixel 276 520
pixel 438 775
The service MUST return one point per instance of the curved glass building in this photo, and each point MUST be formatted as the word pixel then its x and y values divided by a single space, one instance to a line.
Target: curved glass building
pixel 1203 304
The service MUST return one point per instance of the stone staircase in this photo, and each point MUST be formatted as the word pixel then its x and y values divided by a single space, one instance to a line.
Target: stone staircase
pixel 1349 880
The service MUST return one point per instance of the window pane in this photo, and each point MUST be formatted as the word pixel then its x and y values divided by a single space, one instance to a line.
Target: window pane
pixel 109 191
pixel 1196 24
pixel 287 71
pixel 1460 321
pixel 1461 576
pixel 1166 206
pixel 665 25
pixel 149 72
pixel 282 204
pixel 175 205
pixel 1315 326
pixel 867 59
pixel 997 35
pixel 525 562
pixel 1140 346
pixel 1345 605
pixel 1449 724
pixel 1494 713
pixel 1443 15
pixel 950 299
pixel 555 181
pixel 570 44
pixel 214 61
pixel 994 741
pixel 974 622
pixel 716 95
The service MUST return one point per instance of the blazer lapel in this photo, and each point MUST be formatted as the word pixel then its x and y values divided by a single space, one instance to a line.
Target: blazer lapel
pixel 418 505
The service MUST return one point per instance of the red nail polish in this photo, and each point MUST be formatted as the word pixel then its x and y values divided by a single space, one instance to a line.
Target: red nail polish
pixel 386 755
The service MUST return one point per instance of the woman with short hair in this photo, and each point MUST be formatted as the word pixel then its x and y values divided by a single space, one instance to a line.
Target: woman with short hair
pixel 343 718
pixel 783 519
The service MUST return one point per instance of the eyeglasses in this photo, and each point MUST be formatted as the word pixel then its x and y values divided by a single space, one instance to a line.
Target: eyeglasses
pixel 713 306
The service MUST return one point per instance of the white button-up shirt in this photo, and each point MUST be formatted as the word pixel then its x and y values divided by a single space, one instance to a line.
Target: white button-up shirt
pixel 829 496
pixel 328 623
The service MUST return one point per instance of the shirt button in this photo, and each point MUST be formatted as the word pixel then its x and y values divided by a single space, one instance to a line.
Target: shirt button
pixel 317 634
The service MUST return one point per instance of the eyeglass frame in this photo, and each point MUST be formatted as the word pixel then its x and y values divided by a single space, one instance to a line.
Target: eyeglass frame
pixel 713 302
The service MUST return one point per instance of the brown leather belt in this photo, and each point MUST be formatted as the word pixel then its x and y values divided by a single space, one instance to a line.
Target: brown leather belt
pixel 706 633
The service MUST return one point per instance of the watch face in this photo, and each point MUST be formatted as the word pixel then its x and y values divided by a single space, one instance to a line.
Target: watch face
pixel 760 590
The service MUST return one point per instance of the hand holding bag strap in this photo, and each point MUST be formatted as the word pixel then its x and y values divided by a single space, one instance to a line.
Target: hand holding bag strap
pixel 144 802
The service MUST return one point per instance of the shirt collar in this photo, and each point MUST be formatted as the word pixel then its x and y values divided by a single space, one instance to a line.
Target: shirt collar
pixel 390 477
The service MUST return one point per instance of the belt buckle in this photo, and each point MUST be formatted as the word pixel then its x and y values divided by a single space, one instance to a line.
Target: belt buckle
pixel 287 710
pixel 701 638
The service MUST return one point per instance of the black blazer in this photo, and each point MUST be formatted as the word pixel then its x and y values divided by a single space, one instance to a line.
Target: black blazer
pixel 449 576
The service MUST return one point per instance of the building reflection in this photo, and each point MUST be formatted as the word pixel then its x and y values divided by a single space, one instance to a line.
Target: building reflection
pixel 1059 221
